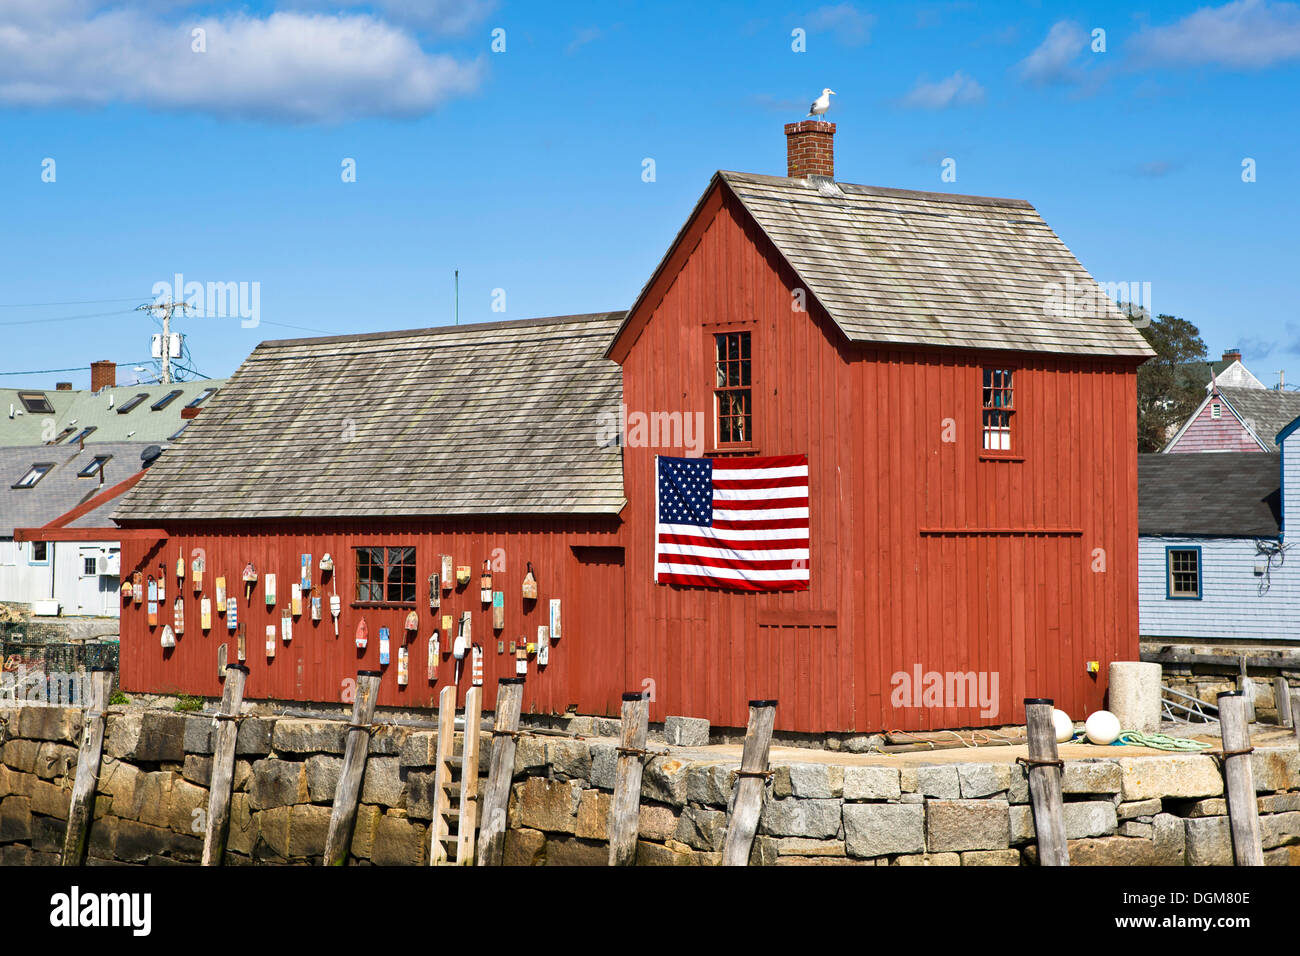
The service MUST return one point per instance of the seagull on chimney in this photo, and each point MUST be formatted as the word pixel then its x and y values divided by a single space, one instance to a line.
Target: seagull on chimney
pixel 822 103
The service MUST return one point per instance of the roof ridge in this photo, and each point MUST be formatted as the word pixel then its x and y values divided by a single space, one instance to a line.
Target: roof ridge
pixel 443 329
pixel 967 198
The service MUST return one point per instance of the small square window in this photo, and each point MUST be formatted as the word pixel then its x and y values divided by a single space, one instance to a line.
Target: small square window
pixel 35 402
pixel 89 567
pixel 93 467
pixel 34 474
pixel 40 552
pixel 166 400
pixel 385 575
pixel 1183 567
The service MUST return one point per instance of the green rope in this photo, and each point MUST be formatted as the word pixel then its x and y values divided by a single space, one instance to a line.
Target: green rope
pixel 1160 741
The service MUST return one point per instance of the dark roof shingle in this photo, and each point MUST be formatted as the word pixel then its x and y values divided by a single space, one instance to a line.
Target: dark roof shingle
pixel 1266 411
pixel 1220 494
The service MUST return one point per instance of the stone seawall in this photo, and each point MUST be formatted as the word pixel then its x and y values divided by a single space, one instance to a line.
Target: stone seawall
pixel 942 808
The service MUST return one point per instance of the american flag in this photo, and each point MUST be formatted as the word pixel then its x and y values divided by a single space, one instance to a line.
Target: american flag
pixel 732 522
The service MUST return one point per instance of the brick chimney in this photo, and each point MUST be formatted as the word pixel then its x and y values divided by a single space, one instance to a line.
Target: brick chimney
pixel 63 386
pixel 810 149
pixel 1232 355
pixel 103 374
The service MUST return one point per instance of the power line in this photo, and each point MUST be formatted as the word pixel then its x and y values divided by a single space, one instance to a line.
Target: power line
pixel 68 318
pixel 41 305
pixel 50 371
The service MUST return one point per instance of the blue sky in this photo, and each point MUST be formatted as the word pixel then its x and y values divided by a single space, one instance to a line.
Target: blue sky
pixel 523 168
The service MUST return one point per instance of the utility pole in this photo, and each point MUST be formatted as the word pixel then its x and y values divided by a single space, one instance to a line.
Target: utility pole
pixel 166 309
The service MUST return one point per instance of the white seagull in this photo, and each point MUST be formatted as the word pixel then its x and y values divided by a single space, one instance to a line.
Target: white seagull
pixel 822 103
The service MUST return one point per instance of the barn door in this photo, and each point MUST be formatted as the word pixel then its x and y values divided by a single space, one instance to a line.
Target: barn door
pixel 596 620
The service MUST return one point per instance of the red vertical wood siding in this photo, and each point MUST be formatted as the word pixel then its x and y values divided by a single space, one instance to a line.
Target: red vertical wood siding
pixel 1003 583
pixel 586 668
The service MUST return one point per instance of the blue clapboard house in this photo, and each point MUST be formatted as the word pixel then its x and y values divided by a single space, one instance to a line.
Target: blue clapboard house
pixel 1219 545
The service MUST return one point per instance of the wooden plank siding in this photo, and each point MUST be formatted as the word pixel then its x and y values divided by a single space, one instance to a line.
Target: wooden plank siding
pixel 1000 581
pixel 572 560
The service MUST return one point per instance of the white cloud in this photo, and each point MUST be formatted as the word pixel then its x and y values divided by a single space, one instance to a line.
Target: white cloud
pixel 958 89
pixel 1245 33
pixel 285 66
pixel 1055 59
pixel 847 23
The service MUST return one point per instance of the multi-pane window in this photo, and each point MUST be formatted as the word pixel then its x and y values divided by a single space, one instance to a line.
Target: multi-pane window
pixel 999 407
pixel 733 400
pixel 1184 571
pixel 386 575
pixel 89 567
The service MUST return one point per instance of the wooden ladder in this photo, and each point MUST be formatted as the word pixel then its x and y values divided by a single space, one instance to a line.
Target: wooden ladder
pixel 456 782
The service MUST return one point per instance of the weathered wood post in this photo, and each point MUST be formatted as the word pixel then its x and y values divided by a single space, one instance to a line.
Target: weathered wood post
pixel 1295 714
pixel 1045 770
pixel 496 799
pixel 1282 694
pixel 344 815
pixel 466 838
pixel 1239 780
pixel 223 765
pixel 625 808
pixel 1247 688
pixel 82 807
pixel 751 782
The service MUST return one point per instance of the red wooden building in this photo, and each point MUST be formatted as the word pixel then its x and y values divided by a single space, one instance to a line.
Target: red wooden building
pixel 972 473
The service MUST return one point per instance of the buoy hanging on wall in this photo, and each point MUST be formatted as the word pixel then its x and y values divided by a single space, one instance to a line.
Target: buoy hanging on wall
pixel 304 581
pixel 205 614
pixel 555 619
pixel 269 587
pixel 363 634
pixel 447 573
pixel 402 665
pixel 498 610
pixel 221 595
pixel 476 666
pixel 232 614
pixel 162 584
pixel 180 569
pixel 250 580
pixel 242 645
pixel 434 652
pixel 137 587
pixel 412 624
pixel 178 615
pixel 295 599
pixel 529 587
pixel 435 592
pixel 543 645
pixel 315 606
pixel 270 640
pixel 196 569
pixel 153 602
pixel 286 625
pixel 485 583
pixel 383 646
pixel 168 638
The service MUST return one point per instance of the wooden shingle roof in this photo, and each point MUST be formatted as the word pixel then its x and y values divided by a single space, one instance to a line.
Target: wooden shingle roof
pixel 916 268
pixel 1265 411
pixel 495 418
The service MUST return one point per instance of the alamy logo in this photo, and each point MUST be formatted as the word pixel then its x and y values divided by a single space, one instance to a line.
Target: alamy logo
pixel 75 909
pixel 945 689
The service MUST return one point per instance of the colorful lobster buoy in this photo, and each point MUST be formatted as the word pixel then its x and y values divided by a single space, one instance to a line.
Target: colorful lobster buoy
pixel 242 641
pixel 555 619
pixel 485 583
pixel 447 573
pixel 529 587
pixel 412 624
pixel 286 625
pixel 168 638
pixel 205 614
pixel 178 615
pixel 269 588
pixel 137 587
pixel 221 595
pixel 326 563
pixel 315 606
pixel 196 570
pixel 305 578
pixel 180 569
pixel 498 610
pixel 383 646
pixel 295 599
pixel 153 602
pixel 543 645
pixel 434 651
pixel 270 640
pixel 435 592
pixel 232 614
pixel 363 634
pixel 250 580
pixel 403 674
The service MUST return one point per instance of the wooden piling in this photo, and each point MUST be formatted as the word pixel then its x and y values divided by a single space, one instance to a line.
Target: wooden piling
pixel 1239 779
pixel 496 798
pixel 1247 688
pixel 469 796
pixel 625 808
pixel 751 783
pixel 1282 694
pixel 1045 771
pixel 344 815
pixel 223 765
pixel 81 810
pixel 1295 713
